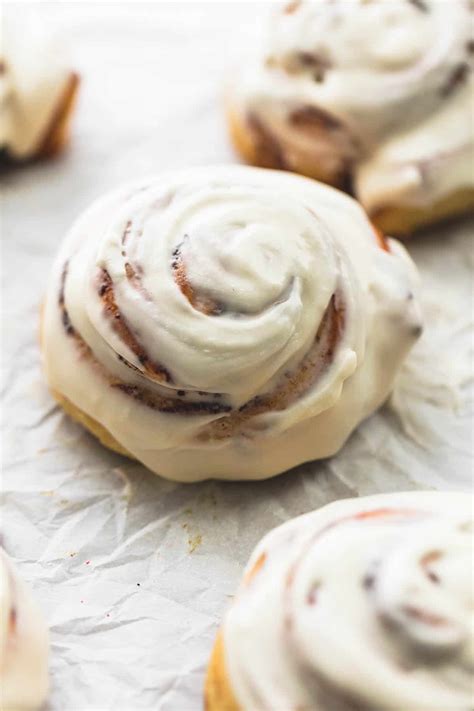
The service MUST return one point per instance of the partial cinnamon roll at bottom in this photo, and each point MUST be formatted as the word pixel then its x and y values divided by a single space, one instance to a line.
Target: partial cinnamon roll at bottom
pixel 23 644
pixel 366 604
pixel 226 322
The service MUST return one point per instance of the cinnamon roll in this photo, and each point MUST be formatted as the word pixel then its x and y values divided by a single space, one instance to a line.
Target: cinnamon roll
pixel 23 644
pixel 377 95
pixel 37 89
pixel 226 322
pixel 366 604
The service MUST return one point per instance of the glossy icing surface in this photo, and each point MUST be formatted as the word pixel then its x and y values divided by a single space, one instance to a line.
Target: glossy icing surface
pixel 228 321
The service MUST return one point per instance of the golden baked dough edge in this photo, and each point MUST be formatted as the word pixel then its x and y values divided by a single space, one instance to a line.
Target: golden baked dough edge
pixel 90 424
pixel 57 133
pixel 403 220
pixel 218 695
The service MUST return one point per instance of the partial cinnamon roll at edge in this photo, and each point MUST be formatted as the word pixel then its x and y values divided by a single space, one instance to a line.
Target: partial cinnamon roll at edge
pixel 23 644
pixel 38 88
pixel 371 97
pixel 364 604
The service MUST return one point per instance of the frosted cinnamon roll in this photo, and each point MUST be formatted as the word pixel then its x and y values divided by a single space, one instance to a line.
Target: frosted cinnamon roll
pixel 366 604
pixel 23 644
pixel 375 93
pixel 37 88
pixel 226 322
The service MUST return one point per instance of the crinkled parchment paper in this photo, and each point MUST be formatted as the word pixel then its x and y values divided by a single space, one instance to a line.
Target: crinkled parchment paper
pixel 134 572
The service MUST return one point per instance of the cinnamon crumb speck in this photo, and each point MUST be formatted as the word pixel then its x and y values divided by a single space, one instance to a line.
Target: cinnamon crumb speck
pixel 194 542
pixel 291 7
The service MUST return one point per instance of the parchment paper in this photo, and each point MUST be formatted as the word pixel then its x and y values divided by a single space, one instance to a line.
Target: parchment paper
pixel 133 572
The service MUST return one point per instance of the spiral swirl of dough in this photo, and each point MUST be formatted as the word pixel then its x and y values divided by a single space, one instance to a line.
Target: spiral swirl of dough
pixel 223 308
pixel 365 604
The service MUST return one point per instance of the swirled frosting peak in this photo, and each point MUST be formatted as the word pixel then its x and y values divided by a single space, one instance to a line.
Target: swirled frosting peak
pixel 228 321
pixel 366 604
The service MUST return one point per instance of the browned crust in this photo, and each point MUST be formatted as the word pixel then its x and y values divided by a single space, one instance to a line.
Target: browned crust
pixel 402 221
pixel 258 147
pixel 57 133
pixel 246 143
pixel 218 695
pixel 94 427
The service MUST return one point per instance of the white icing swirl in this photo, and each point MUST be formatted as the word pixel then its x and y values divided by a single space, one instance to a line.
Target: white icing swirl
pixel 394 74
pixel 366 604
pixel 208 318
pixel 23 645
pixel 33 77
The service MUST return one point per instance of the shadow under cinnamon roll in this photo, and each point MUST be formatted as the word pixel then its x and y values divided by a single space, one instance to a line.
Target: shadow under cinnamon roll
pixel 226 322
pixel 374 97
pixel 365 604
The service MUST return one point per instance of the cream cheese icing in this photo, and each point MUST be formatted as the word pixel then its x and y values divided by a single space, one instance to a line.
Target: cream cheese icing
pixel 23 644
pixel 365 604
pixel 395 74
pixel 33 77
pixel 228 322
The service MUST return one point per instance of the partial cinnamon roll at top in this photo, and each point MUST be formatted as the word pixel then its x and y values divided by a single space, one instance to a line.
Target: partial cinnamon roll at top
pixel 23 644
pixel 375 93
pixel 366 604
pixel 226 322
pixel 38 89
